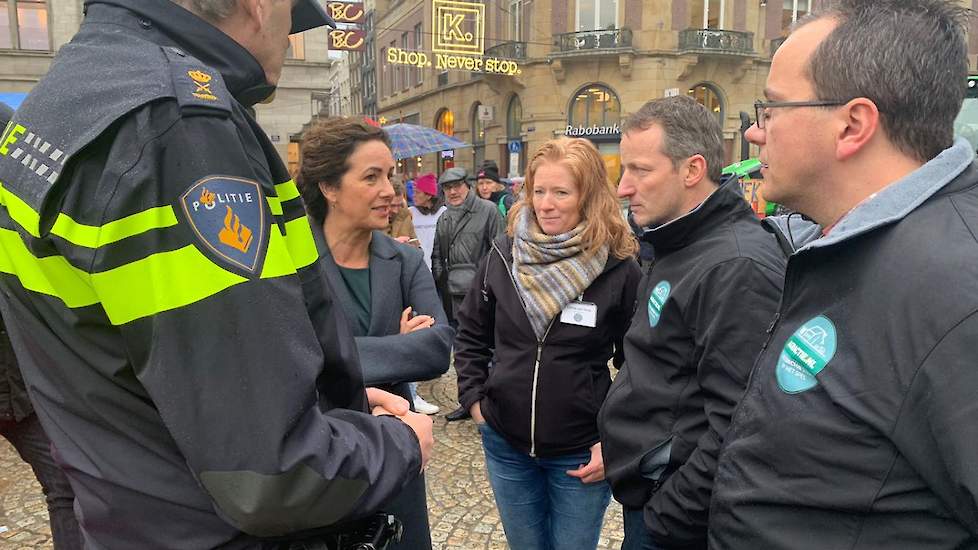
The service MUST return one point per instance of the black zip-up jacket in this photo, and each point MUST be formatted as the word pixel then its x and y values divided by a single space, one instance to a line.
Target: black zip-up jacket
pixel 542 396
pixel 159 282
pixel 705 303
pixel 859 429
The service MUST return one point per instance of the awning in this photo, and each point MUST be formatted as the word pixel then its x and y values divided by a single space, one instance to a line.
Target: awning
pixel 13 99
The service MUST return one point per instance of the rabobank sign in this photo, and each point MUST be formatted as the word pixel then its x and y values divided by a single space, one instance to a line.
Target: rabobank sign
pixel 591 131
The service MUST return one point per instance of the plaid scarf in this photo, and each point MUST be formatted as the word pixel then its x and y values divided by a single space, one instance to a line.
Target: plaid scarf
pixel 551 270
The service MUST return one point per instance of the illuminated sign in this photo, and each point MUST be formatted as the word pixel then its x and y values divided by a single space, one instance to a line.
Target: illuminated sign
pixel 345 12
pixel 446 62
pixel 459 27
pixel 347 40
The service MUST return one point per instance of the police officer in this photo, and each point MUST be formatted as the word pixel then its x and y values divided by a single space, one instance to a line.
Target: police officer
pixel 159 278
pixel 858 427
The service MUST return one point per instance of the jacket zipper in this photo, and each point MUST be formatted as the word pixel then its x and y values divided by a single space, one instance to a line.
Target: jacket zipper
pixel 536 362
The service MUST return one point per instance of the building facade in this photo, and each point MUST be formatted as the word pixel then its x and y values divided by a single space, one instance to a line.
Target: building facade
pixel 585 64
pixel 32 31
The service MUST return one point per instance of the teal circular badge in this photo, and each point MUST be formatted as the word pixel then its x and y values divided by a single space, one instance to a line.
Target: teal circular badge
pixel 657 300
pixel 805 354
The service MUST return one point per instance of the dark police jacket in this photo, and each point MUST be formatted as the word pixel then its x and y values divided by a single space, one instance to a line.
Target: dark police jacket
pixel 698 326
pixel 858 429
pixel 159 278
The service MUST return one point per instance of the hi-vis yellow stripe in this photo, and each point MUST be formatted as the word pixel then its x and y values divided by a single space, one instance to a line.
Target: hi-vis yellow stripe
pixel 298 232
pixel 53 275
pixel 287 191
pixel 157 283
pixel 88 236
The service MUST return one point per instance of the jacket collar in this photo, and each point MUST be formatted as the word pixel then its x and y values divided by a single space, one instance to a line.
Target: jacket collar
pixel 175 26
pixel 468 204
pixel 383 246
pixel 726 201
pixel 895 201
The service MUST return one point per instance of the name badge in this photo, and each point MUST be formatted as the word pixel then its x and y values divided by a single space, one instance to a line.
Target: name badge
pixel 584 314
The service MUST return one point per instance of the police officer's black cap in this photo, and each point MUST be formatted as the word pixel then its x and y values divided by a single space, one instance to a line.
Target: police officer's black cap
pixel 309 14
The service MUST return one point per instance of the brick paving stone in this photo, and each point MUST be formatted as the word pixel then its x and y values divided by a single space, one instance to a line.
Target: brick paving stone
pixel 461 509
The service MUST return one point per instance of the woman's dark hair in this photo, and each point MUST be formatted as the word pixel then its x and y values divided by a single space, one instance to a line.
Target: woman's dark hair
pixel 326 148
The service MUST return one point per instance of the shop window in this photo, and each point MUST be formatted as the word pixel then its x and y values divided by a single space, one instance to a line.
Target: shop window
pixel 445 122
pixel 595 15
pixel 24 25
pixel 708 96
pixel 595 104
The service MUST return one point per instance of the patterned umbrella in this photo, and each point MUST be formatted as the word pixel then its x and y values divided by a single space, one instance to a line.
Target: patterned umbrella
pixel 411 140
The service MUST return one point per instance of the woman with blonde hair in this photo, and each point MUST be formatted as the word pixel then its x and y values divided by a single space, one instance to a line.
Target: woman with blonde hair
pixel 553 298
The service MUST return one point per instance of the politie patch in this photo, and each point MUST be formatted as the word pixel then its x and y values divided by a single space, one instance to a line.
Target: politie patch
pixel 657 300
pixel 227 215
pixel 805 354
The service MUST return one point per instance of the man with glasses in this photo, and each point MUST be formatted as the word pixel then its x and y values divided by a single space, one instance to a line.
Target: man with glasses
pixel 858 427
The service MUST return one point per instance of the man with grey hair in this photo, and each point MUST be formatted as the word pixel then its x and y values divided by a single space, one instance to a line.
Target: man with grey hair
pixel 858 427
pixel 158 277
pixel 703 307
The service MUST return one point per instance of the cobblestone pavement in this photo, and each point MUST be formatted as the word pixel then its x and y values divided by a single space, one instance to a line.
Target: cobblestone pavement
pixel 463 515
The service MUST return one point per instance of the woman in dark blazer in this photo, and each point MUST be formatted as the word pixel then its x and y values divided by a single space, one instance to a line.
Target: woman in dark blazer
pixel 383 286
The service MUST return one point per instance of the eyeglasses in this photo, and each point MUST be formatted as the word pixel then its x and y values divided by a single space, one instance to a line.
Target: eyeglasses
pixel 761 107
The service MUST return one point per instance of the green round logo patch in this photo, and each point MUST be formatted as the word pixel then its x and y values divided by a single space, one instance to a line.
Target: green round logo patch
pixel 805 354
pixel 657 300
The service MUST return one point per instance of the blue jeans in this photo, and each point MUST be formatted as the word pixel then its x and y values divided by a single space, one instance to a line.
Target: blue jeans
pixel 636 534
pixel 541 507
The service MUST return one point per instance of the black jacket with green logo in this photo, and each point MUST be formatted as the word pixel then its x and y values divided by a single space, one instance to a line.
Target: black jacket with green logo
pixel 859 428
pixel 700 320
pixel 160 283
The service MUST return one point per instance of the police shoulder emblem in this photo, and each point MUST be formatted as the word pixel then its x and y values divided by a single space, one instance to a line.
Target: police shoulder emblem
pixel 657 300
pixel 805 354
pixel 227 215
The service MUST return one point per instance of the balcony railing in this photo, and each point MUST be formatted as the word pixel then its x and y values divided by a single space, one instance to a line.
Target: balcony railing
pixel 716 41
pixel 595 40
pixel 775 44
pixel 508 50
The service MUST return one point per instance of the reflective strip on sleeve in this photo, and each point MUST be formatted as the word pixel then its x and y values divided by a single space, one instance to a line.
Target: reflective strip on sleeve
pixel 161 282
pixel 275 205
pixel 287 191
pixel 93 236
pixel 170 280
pixel 20 211
pixel 88 236
pixel 278 260
pixel 302 246
pixel 52 276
